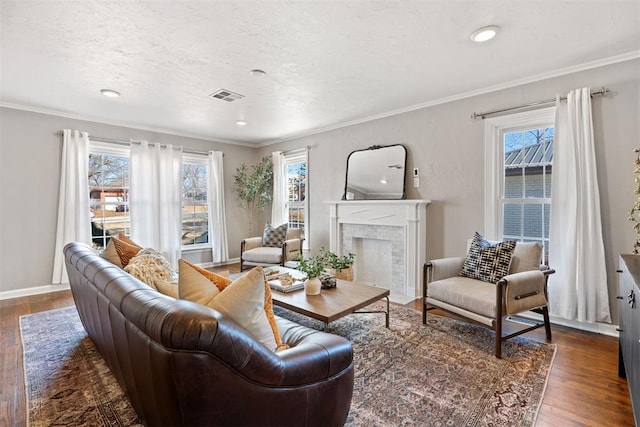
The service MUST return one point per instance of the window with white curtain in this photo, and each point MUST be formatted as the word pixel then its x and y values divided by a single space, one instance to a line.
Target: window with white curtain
pixel 296 181
pixel 108 175
pixel 518 174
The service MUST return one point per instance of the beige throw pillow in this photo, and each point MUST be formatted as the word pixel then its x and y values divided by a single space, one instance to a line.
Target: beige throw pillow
pixel 194 286
pixel 110 254
pixel 169 289
pixel 247 300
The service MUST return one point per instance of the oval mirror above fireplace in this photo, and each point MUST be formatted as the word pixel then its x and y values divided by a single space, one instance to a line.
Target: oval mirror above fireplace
pixel 376 173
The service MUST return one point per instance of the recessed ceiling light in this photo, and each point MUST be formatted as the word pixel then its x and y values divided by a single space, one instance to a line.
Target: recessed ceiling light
pixel 485 33
pixel 110 93
pixel 241 123
pixel 258 73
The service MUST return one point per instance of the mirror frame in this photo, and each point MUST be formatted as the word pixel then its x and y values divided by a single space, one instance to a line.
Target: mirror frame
pixel 378 147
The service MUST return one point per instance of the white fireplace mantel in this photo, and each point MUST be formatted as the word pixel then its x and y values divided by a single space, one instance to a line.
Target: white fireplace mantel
pixel 401 222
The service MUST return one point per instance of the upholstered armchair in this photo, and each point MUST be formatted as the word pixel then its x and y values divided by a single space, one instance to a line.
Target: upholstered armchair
pixel 253 250
pixel 524 288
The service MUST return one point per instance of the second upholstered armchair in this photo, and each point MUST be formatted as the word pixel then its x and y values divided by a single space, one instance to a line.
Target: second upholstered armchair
pixel 277 246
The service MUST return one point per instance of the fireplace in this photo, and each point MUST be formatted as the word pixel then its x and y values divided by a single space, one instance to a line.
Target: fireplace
pixel 389 240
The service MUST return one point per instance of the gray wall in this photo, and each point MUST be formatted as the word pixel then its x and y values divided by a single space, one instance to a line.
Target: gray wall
pixel 30 152
pixel 448 147
pixel 442 141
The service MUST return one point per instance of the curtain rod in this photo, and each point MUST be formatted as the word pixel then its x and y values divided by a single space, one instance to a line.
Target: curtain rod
pixel 296 150
pixel 128 143
pixel 600 91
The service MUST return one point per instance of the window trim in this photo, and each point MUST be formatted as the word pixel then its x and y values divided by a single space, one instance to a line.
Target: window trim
pixel 494 161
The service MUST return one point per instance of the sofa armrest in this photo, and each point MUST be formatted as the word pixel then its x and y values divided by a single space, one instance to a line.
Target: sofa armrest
pixel 250 243
pixel 291 249
pixel 313 355
pixel 524 291
pixel 445 267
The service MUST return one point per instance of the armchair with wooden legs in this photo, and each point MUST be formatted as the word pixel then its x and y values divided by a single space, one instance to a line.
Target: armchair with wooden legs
pixel 523 289
pixel 253 252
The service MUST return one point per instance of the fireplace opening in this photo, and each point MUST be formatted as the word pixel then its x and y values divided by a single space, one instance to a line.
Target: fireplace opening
pixel 373 262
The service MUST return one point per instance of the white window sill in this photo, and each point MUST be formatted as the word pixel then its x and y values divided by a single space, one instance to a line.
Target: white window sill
pixel 196 248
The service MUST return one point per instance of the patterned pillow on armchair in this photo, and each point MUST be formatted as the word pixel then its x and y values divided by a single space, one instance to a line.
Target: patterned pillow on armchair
pixel 274 237
pixel 488 262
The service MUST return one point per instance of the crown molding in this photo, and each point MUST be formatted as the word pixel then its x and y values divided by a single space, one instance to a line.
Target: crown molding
pixel 629 56
pixel 122 124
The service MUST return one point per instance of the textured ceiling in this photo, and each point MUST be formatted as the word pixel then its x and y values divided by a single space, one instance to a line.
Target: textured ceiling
pixel 327 62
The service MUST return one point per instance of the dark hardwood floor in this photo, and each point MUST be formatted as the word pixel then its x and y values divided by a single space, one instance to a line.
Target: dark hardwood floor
pixel 583 389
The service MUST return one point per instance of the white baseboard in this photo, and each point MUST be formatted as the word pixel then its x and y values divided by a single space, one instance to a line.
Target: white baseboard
pixel 17 293
pixel 598 328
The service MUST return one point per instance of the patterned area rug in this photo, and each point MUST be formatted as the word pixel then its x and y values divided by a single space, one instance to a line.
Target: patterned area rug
pixel 442 374
pixel 67 381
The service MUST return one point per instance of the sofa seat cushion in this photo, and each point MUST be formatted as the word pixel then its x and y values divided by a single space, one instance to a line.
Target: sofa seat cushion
pixel 469 294
pixel 263 254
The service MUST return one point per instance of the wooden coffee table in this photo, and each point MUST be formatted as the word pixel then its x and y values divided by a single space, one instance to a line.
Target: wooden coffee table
pixel 332 304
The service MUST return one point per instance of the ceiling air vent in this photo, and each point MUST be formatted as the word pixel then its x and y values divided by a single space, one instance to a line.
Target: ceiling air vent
pixel 226 95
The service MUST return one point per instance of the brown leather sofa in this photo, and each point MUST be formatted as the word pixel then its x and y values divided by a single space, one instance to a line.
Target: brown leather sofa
pixel 182 363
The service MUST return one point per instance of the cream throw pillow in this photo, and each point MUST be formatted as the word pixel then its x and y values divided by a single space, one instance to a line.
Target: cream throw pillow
pixel 245 300
pixel 194 286
pixel 169 289
pixel 110 254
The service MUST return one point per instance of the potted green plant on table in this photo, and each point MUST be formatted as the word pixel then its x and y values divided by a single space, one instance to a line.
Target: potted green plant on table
pixel 342 266
pixel 313 267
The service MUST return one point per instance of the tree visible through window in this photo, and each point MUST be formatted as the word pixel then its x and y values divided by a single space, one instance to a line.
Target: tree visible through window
pixel 108 177
pixel 195 208
pixel 296 166
pixel 108 196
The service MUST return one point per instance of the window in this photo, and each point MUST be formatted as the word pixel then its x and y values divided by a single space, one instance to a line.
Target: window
pixel 195 208
pixel 519 159
pixel 108 173
pixel 296 167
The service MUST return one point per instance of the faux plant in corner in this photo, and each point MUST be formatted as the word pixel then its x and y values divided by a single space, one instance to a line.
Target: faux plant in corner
pixel 254 187
pixel 634 213
pixel 313 267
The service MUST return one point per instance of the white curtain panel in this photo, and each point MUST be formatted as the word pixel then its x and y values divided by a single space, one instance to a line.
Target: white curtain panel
pixel 74 221
pixel 578 290
pixel 279 212
pixel 217 219
pixel 155 198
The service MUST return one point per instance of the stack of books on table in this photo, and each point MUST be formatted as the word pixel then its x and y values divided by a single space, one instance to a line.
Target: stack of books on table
pixel 283 279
